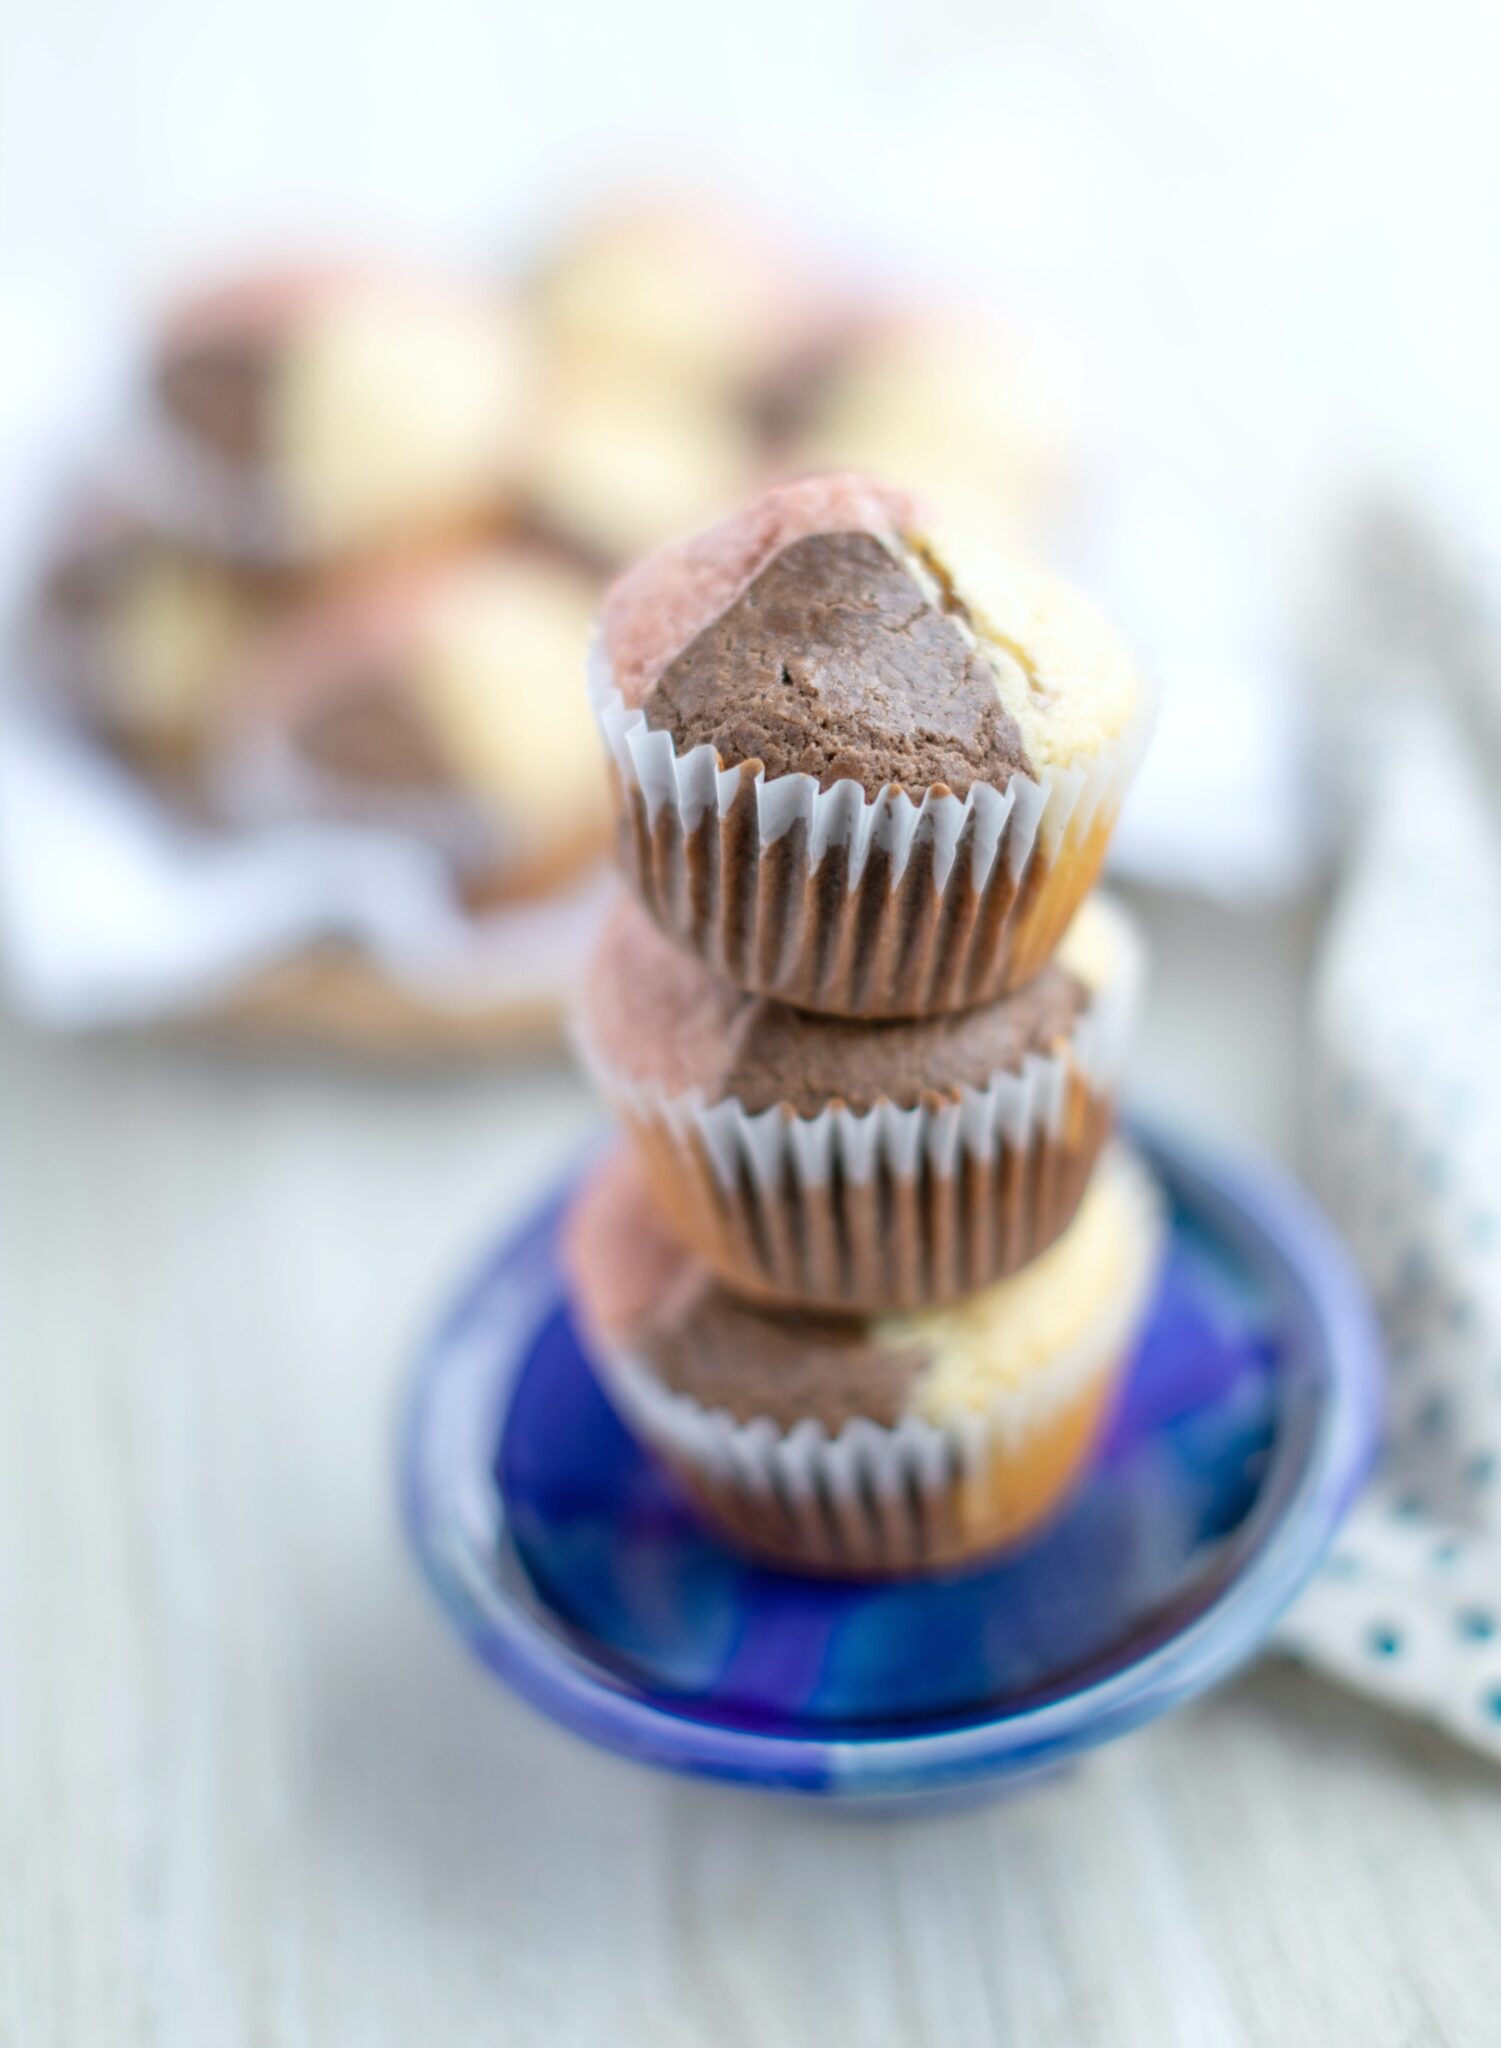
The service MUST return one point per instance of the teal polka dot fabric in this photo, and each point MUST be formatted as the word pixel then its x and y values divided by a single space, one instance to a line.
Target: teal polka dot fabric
pixel 1405 1128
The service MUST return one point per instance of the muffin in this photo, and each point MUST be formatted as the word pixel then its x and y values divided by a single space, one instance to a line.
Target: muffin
pixel 446 705
pixel 313 414
pixel 136 635
pixel 846 1165
pixel 681 291
pixel 873 1446
pixel 943 398
pixel 620 463
pixel 863 765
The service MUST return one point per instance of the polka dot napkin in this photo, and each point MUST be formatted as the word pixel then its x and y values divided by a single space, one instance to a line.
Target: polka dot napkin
pixel 1405 1135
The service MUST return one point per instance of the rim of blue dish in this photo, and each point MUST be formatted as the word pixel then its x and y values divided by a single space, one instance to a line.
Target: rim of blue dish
pixel 509 1627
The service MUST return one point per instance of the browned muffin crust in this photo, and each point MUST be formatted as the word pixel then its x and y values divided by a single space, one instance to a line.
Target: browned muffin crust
pixel 724 1354
pixel 218 388
pixel 639 1292
pixel 784 404
pixel 834 662
pixel 784 1055
pixel 91 570
pixel 373 734
pixel 653 1012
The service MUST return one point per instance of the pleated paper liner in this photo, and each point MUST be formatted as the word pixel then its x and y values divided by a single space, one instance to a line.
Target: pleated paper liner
pixel 890 1207
pixel 872 1501
pixel 857 906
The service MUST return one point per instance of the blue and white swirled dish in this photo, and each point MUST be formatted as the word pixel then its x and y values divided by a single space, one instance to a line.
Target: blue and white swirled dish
pixel 576 1569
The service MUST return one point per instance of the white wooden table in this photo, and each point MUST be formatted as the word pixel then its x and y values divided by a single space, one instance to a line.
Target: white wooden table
pixel 252 1792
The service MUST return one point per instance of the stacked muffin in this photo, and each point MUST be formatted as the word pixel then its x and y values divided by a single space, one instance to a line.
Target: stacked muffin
pixel 688 349
pixel 866 1270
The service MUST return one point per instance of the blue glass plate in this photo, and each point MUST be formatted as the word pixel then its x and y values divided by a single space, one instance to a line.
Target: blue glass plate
pixel 575 1567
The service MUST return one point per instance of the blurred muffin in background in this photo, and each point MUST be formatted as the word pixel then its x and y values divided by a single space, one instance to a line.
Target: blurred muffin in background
pixel 445 704
pixel 349 531
pixel 945 400
pixel 680 290
pixel 621 463
pixel 306 415
pixel 134 633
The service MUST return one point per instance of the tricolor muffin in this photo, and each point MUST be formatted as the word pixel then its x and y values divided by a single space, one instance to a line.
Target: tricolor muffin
pixel 136 635
pixel 942 398
pixel 682 291
pixel 845 1165
pixel 306 415
pixel 445 704
pixel 618 463
pixel 863 765
pixel 873 1446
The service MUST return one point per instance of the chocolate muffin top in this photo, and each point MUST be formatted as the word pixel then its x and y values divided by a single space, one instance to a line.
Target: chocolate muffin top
pixel 836 662
pixel 334 683
pixel 220 353
pixel 654 1013
pixel 722 1353
pixel 373 734
pixel 636 1289
pixel 832 629
pixel 220 390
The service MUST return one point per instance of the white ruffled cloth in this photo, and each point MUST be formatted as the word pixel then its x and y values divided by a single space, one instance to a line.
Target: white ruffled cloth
pixel 1406 1126
pixel 114 911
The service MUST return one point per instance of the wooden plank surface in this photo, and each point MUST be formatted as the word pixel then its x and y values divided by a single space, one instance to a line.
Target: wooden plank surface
pixel 252 1793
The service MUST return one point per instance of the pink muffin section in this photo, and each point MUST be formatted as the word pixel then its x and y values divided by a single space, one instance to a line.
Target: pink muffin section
pixel 621 1262
pixel 658 607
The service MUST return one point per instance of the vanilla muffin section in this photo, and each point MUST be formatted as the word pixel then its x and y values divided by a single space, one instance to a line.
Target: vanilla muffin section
pixel 313 414
pixel 498 663
pixel 1061 672
pixel 395 411
pixel 990 1345
pixel 619 463
pixel 179 626
pixel 949 401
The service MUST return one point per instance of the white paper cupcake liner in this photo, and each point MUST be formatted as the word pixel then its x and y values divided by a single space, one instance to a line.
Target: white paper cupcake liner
pixel 882 1500
pixel 859 906
pixel 892 1206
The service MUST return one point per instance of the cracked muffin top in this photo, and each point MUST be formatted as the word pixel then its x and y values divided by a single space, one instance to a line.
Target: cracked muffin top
pixel 650 1013
pixel 833 629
